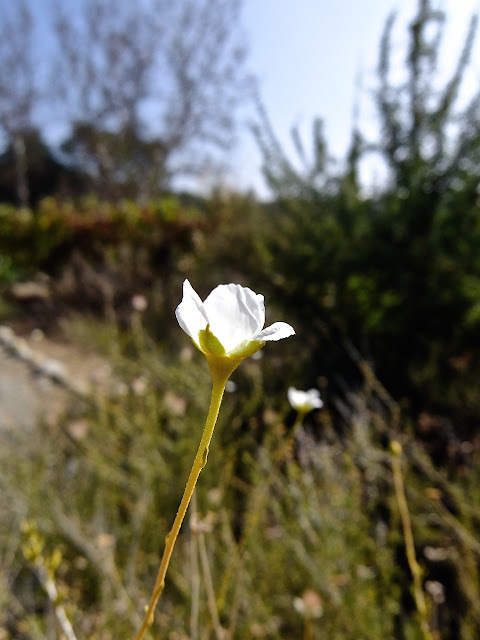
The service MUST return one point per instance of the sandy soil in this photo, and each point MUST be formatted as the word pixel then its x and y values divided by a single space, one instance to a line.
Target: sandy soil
pixel 35 376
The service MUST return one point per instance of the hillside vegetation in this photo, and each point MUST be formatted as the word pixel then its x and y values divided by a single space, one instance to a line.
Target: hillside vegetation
pixel 361 521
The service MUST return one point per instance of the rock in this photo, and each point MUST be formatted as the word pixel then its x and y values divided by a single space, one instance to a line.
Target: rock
pixel 23 291
pixel 53 369
pixel 7 336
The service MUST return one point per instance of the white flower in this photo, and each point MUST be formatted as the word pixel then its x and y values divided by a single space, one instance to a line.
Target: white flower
pixel 139 302
pixel 230 321
pixel 310 605
pixel 304 401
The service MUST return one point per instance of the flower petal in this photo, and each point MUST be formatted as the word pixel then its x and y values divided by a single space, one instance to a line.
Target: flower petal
pixel 314 399
pixel 235 314
pixel 253 304
pixel 295 397
pixel 190 312
pixel 304 400
pixel 276 331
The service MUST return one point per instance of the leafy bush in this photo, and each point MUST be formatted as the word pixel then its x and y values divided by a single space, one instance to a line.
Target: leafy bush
pixel 392 272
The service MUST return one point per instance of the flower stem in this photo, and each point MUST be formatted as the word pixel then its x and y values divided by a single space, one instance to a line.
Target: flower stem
pixel 297 425
pixel 308 629
pixel 415 568
pixel 199 462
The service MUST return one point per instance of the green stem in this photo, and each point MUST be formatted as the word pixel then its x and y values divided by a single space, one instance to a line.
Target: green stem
pixel 415 568
pixel 218 388
pixel 297 425
pixel 308 629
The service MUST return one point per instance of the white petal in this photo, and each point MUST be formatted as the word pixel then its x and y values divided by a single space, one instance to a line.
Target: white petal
pixel 305 400
pixel 235 314
pixel 190 312
pixel 314 399
pixel 255 304
pixel 298 399
pixel 295 397
pixel 276 331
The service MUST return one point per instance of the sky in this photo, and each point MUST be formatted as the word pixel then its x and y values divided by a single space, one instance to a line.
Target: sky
pixel 314 58
pixel 317 58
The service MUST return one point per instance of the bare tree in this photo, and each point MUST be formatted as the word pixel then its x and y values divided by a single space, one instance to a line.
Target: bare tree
pixel 18 92
pixel 203 64
pixel 149 87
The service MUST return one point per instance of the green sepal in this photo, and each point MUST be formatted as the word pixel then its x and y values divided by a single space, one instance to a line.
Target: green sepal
pixel 247 349
pixel 210 343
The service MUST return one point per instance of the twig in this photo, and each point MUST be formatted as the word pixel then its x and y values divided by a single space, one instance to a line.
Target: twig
pixel 52 593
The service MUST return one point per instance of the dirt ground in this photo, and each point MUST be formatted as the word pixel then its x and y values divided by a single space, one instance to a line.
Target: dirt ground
pixel 38 376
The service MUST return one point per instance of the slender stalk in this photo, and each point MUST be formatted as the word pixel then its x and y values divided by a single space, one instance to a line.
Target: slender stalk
pixel 195 577
pixel 297 425
pixel 212 605
pixel 308 629
pixel 415 568
pixel 218 388
pixel 58 609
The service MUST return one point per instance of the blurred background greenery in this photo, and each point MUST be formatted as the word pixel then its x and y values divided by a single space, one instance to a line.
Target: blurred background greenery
pixel 292 534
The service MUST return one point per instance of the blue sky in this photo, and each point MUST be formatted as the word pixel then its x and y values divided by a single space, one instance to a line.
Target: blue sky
pixel 307 55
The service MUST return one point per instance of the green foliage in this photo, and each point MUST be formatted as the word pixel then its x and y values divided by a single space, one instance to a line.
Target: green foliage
pixel 278 512
pixel 97 254
pixel 34 237
pixel 393 275
pixel 394 272
pixel 275 523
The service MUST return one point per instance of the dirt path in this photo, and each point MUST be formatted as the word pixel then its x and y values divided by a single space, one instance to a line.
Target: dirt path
pixel 39 375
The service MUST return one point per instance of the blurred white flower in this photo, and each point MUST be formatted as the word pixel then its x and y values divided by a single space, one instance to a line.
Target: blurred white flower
pixel 230 321
pixel 436 591
pixel 186 353
pixel 310 605
pixel 139 386
pixel 177 405
pixel 121 389
pixel 139 302
pixel 231 386
pixel 304 401
pixel 78 429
